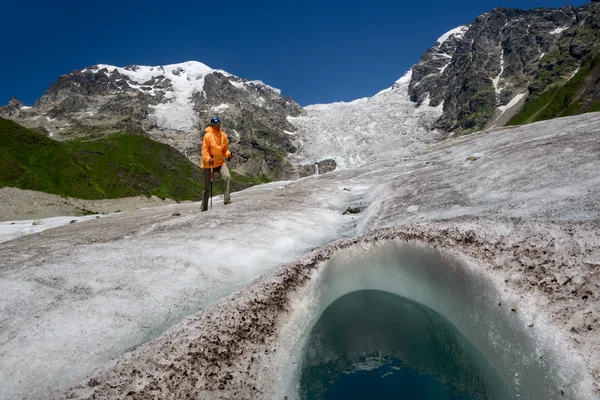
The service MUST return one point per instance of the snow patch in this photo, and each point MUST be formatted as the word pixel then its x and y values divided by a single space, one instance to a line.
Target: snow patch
pixel 496 80
pixel 558 30
pixel 187 79
pixel 239 85
pixel 458 32
pixel 574 73
pixel 220 107
pixel 511 103
pixel 405 78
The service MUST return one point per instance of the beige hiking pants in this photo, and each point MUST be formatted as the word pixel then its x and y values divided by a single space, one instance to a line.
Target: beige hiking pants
pixel 223 171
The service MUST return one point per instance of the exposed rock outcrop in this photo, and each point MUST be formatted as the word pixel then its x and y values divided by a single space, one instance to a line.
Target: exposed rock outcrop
pixel 255 117
pixel 478 70
pixel 13 107
pixel 171 104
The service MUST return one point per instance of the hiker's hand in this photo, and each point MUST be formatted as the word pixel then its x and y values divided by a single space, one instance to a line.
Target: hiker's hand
pixel 211 161
pixel 229 158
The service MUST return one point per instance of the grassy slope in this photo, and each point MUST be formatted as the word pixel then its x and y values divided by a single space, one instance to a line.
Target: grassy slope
pixel 555 91
pixel 124 165
pixel 114 166
pixel 561 100
pixel 30 160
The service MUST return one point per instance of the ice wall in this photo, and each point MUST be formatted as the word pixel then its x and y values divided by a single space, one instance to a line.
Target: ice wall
pixel 252 344
pixel 530 358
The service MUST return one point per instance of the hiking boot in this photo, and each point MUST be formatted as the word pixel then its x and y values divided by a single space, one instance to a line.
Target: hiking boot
pixel 227 202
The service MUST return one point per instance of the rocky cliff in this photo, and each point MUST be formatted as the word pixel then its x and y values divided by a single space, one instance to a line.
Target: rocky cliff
pixel 172 104
pixel 483 73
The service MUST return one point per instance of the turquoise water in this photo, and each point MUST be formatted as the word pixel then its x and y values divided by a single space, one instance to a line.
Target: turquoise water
pixel 393 380
pixel 376 345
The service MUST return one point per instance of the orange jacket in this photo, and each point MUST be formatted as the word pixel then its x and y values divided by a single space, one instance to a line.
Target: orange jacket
pixel 214 143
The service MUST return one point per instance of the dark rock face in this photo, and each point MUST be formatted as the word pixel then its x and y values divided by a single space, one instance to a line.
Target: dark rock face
pixel 567 81
pixel 100 100
pixel 106 91
pixel 13 107
pixel 426 74
pixel 326 166
pixel 498 57
pixel 255 120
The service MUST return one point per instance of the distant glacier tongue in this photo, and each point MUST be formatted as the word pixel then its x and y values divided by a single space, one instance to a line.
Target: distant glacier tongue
pixel 400 315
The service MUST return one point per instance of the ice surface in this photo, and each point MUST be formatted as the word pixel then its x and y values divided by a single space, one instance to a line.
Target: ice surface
pixel 338 131
pixel 75 297
pixel 13 229
pixel 457 292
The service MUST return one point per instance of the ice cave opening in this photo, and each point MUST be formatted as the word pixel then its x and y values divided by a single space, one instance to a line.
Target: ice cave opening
pixel 374 344
pixel 403 320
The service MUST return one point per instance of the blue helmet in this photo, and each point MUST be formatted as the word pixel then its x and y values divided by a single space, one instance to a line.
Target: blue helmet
pixel 215 120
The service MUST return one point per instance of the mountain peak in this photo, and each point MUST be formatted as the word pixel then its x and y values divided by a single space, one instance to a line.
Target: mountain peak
pixel 12 108
pixel 15 102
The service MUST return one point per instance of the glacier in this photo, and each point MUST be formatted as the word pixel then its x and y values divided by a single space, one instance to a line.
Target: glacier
pixel 168 301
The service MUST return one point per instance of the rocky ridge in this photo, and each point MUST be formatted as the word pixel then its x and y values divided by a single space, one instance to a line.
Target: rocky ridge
pixel 486 69
pixel 171 104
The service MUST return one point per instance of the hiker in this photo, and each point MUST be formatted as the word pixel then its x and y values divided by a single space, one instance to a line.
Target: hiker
pixel 215 150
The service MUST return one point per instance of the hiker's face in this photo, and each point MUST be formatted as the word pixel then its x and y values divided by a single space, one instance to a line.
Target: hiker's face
pixel 217 126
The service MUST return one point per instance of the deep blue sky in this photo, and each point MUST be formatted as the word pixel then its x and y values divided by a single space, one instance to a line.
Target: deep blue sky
pixel 315 52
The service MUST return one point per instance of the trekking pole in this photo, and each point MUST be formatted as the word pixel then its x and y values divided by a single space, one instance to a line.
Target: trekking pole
pixel 211 180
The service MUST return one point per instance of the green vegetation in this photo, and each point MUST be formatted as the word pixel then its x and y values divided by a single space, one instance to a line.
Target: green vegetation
pixel 118 165
pixel 476 121
pixel 555 91
pixel 243 181
pixel 561 100
pixel 124 165
pixel 30 160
